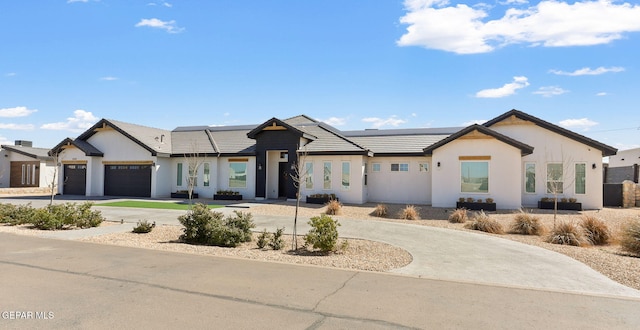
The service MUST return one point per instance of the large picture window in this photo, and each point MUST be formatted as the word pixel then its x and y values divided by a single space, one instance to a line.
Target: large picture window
pixel 474 177
pixel 346 174
pixel 237 174
pixel 327 175
pixel 530 178
pixel 581 178
pixel 308 170
pixel 554 178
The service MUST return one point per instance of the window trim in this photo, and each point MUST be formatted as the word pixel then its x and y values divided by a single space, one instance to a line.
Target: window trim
pixel 575 185
pixel 179 173
pixel 400 167
pixel 308 172
pixel 373 167
pixel 326 179
pixel 547 181
pixel 206 174
pixel 485 161
pixel 534 178
pixel 238 161
pixel 342 172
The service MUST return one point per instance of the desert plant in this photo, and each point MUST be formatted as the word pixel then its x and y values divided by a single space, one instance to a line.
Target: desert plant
pixel 410 212
pixel 573 200
pixel 143 227
pixel 470 199
pixel 85 217
pixel 526 224
pixel 630 238
pixel 489 200
pixel 276 242
pixel 263 239
pixel 323 234
pixel 243 222
pixel 461 200
pixel 564 200
pixel 566 233
pixel 45 220
pixel 334 207
pixel 199 223
pixel 16 215
pixel 595 230
pixel 458 216
pixel 381 210
pixel 482 222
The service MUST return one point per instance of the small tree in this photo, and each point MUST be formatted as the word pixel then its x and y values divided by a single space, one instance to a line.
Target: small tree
pixel 194 160
pixel 53 185
pixel 299 176
pixel 556 180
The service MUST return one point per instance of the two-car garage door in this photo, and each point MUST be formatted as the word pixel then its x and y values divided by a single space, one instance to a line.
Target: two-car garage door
pixel 127 180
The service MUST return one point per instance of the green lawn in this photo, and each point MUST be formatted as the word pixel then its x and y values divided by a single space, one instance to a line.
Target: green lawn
pixel 154 205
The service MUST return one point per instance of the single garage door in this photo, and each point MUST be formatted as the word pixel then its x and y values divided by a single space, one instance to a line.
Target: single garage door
pixel 127 180
pixel 75 179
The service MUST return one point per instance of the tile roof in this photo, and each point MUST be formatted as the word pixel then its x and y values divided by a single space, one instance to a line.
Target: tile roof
pixel 525 149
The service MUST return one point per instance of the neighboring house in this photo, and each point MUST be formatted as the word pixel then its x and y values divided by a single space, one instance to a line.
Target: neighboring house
pixel 625 165
pixel 516 159
pixel 23 166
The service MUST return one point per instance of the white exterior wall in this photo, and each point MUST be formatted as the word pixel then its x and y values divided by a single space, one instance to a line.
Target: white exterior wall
pixel 47 169
pixel 504 172
pixel 222 172
pixel 412 187
pixel 4 168
pixel 550 147
pixel 163 172
pixel 625 158
pixel 352 195
pixel 200 189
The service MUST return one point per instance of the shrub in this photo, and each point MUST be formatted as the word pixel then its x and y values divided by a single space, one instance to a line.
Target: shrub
pixel 46 220
pixel 381 210
pixel 470 199
pixel 489 200
pixel 263 239
pixel 203 226
pixel 144 227
pixel 595 230
pixel 323 234
pixel 276 242
pixel 630 238
pixel 410 212
pixel 526 224
pixel 16 215
pixel 458 216
pixel 483 222
pixel 566 233
pixel 334 207
pixel 461 199
pixel 85 218
pixel 573 200
pixel 564 200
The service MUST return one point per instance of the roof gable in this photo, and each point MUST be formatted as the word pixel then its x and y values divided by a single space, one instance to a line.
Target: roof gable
pixel 518 117
pixel 31 152
pixel 275 124
pixel 478 131
pixel 156 141
pixel 84 146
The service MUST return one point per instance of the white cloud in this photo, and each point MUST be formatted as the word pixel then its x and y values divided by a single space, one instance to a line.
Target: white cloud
pixel 4 140
pixel 506 90
pixel 25 127
pixel 335 121
pixel 164 4
pixel 513 2
pixel 109 78
pixel 72 1
pixel 588 71
pixel 379 122
pixel 473 122
pixel 10 74
pixel 169 26
pixel 464 29
pixel 80 121
pixel 602 94
pixel 583 123
pixel 549 91
pixel 16 112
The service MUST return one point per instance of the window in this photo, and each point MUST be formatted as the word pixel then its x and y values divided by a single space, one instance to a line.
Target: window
pixel 474 177
pixel 237 174
pixel 346 173
pixel 179 182
pixel 308 171
pixel 375 167
pixel 193 175
pixel 581 176
pixel 206 174
pixel 554 178
pixel 327 175
pixel 402 167
pixel 530 178
pixel 366 172
pixel 424 167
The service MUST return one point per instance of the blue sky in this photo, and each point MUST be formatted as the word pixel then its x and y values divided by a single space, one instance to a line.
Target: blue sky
pixel 353 63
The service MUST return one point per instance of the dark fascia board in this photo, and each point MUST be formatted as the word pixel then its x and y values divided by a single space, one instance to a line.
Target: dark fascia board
pixel 24 153
pixel 606 149
pixel 254 132
pixel 339 134
pixel 200 154
pixel 525 149
pixel 337 153
pixel 91 131
pixel 69 141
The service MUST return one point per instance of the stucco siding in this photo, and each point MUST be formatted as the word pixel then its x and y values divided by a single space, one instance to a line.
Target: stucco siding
pixel 223 176
pixel 411 187
pixel 504 184
pixel 353 194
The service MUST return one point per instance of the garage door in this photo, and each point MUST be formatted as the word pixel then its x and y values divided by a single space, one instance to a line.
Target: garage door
pixel 75 179
pixel 127 180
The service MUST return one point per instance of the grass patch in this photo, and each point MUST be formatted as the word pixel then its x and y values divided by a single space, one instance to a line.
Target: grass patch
pixel 154 205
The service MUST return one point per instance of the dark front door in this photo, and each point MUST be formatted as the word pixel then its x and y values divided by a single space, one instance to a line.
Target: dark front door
pixel 127 180
pixel 282 180
pixel 75 179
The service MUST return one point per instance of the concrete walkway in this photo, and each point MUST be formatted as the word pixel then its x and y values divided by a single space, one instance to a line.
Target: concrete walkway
pixel 437 253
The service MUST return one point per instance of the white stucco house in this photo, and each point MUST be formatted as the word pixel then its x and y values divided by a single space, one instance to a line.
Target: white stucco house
pixel 24 166
pixel 515 159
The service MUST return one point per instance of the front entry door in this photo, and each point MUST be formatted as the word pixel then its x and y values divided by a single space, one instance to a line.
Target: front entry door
pixel 283 178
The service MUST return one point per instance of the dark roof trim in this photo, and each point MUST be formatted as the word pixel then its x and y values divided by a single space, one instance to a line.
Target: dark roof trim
pixel 23 152
pixel 337 153
pixel 277 122
pixel 338 133
pixel 104 122
pixel 606 150
pixel 84 146
pixel 525 149
pixel 399 154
